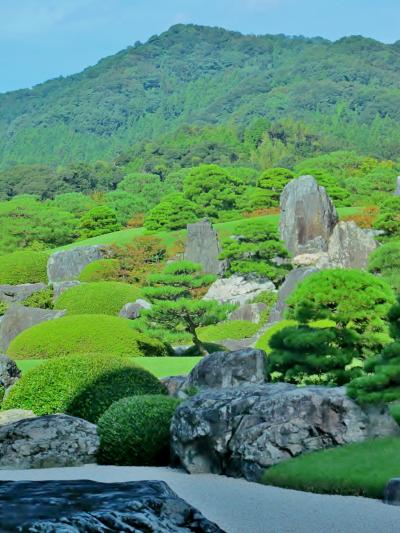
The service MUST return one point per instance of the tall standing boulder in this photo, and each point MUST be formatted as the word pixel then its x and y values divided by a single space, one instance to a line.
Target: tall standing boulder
pixel 307 216
pixel 350 246
pixel 66 265
pixel 203 247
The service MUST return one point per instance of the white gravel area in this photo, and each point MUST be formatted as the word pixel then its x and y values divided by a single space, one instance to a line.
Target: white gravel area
pixel 238 506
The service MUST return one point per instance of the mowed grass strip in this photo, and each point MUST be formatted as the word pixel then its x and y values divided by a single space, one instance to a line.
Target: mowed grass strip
pixel 159 366
pixel 361 469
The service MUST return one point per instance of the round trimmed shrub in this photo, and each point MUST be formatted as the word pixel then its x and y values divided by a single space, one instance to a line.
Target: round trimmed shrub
pixel 81 334
pixel 80 386
pixel 136 431
pixel 100 270
pixel 23 267
pixel 103 297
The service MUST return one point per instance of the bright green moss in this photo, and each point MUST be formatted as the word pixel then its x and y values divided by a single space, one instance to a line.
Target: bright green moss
pixel 233 329
pixel 101 270
pixel 23 267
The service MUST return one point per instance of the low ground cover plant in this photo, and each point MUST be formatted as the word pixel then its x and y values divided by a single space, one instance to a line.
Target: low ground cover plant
pixel 136 431
pixel 233 329
pixel 80 386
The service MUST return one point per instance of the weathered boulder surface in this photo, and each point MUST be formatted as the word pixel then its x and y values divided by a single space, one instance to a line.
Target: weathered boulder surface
pixel 19 293
pixel 229 369
pixel 350 246
pixel 133 310
pixel 9 372
pixel 175 385
pixel 66 265
pixel 83 505
pixel 202 246
pixel 48 441
pixel 307 216
pixel 291 281
pixel 241 431
pixel 249 312
pixel 14 415
pixel 61 286
pixel 238 289
pixel 18 318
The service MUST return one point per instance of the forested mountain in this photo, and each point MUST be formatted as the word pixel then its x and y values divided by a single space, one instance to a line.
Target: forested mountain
pixel 316 94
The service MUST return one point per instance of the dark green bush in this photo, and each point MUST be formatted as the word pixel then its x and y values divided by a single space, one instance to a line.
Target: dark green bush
pixel 103 297
pixel 101 270
pixel 84 334
pixel 136 431
pixel 41 299
pixel 23 267
pixel 80 386
pixel 385 261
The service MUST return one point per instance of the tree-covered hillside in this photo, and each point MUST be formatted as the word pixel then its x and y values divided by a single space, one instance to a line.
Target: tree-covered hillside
pixel 327 95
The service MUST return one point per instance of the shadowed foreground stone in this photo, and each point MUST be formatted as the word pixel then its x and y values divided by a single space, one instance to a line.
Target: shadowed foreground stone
pixel 241 431
pixel 391 494
pixel 89 506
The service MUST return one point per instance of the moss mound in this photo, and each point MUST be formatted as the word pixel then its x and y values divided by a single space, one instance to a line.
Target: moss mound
pixel 103 297
pixel 80 386
pixel 80 334
pixel 23 267
pixel 136 431
pixel 101 270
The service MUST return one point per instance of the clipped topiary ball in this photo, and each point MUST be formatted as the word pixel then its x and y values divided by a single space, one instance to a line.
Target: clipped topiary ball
pixel 80 386
pixel 103 297
pixel 101 270
pixel 136 431
pixel 81 334
pixel 23 267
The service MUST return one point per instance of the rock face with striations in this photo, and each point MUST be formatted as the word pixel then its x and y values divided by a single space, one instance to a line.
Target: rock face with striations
pixel 350 246
pixel 202 246
pixel 66 265
pixel 19 293
pixel 307 216
pixel 83 505
pixel 48 441
pixel 241 431
pixel 238 289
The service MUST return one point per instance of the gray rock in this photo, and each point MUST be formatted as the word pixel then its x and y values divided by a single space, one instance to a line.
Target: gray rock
pixel 249 312
pixel 232 345
pixel 175 385
pixel 202 246
pixel 238 289
pixel 14 415
pixel 307 216
pixel 291 281
pixel 131 311
pixel 48 441
pixel 66 265
pixel 350 246
pixel 241 431
pixel 229 369
pixel 397 191
pixel 19 293
pixel 61 286
pixel 9 372
pixel 89 506
pixel 391 494
pixel 19 318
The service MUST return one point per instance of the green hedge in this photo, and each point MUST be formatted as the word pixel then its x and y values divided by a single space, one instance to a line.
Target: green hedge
pixel 233 329
pixel 81 334
pixel 80 386
pixel 101 270
pixel 103 297
pixel 136 431
pixel 23 267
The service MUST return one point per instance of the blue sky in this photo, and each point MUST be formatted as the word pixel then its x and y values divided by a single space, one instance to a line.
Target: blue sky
pixel 42 39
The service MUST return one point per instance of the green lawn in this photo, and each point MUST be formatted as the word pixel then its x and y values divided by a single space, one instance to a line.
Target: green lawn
pixel 224 229
pixel 159 366
pixel 361 469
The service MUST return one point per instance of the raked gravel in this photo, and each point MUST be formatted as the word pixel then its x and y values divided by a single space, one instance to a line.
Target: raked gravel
pixel 238 506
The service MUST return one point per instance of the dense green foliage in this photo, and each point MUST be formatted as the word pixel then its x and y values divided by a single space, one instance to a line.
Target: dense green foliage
pixel 361 469
pixel 351 299
pixel 389 218
pixel 100 270
pixel 172 213
pixel 42 299
pixel 100 298
pixel 99 220
pixel 273 181
pixel 252 250
pixel 86 334
pixel 385 261
pixel 136 431
pixel 80 386
pixel 232 329
pixel 305 355
pixel 23 267
pixel 382 382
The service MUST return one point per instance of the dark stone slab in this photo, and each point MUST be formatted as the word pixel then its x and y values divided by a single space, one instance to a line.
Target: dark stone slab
pixel 392 492
pixel 88 506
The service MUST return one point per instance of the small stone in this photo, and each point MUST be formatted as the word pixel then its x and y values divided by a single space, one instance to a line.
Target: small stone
pixel 9 372
pixel 392 492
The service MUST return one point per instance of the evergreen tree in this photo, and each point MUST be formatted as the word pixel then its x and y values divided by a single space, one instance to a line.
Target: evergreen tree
pixel 172 213
pixel 273 181
pixel 98 221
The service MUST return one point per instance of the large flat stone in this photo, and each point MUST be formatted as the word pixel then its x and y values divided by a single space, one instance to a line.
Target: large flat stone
pixel 19 293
